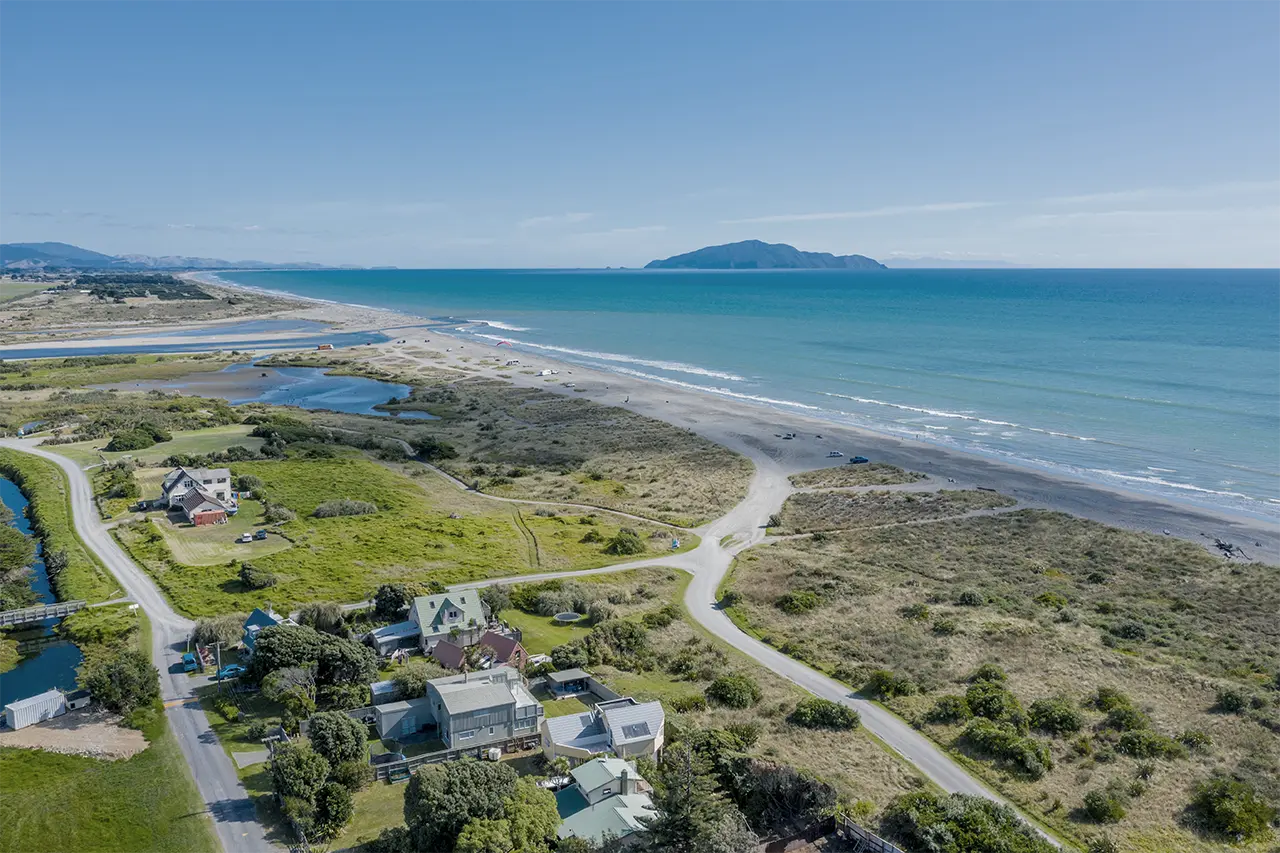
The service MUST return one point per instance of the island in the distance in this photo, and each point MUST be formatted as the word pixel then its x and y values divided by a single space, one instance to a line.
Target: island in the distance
pixel 758 255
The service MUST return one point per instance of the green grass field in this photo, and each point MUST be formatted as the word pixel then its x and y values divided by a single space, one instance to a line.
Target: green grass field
pixel 412 537
pixel 74 372
pixel 11 289
pixel 191 442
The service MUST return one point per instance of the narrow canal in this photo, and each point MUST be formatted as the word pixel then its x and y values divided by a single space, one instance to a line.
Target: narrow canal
pixel 45 661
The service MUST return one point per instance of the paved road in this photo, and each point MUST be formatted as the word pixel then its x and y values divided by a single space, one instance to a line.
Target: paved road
pixel 744 526
pixel 225 797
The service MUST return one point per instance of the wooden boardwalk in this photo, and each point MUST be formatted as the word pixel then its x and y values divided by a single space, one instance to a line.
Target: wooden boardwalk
pixel 32 615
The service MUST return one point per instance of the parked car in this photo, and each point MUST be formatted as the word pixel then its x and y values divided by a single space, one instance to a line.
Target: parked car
pixel 234 670
pixel 858 460
pixel 245 537
pixel 189 663
pixel 835 454
pixel 261 534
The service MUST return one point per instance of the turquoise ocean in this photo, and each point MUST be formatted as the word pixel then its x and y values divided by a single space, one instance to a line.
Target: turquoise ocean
pixel 1159 381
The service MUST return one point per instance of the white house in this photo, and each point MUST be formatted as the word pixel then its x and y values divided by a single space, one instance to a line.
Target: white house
pixel 202 495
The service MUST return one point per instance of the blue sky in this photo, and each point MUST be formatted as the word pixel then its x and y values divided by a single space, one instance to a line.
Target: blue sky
pixel 423 134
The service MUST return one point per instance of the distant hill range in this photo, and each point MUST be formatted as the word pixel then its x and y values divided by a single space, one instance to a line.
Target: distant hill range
pixel 57 256
pixel 758 255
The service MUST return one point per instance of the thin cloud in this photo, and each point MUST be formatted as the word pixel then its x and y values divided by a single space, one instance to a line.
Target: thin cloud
pixel 555 219
pixel 1139 217
pixel 1159 193
pixel 894 210
pixel 639 229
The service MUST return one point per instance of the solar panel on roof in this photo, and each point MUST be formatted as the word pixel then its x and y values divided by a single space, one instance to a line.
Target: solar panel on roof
pixel 631 730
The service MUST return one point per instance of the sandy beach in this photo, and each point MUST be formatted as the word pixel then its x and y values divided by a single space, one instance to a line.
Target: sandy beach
pixel 752 429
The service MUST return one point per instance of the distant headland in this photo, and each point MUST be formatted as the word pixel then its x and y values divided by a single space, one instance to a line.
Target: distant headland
pixel 758 255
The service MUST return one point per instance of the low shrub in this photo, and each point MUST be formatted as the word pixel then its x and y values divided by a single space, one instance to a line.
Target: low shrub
pixel 1106 805
pixel 884 684
pixel 970 598
pixel 1196 739
pixel 945 627
pixel 1232 808
pixel 1003 741
pixel 988 672
pixel 798 601
pixel 1109 698
pixel 1127 719
pixel 1058 715
pixel 1145 743
pixel 816 713
pixel 1231 700
pixel 950 709
pixel 255 578
pixel 661 618
pixel 991 700
pixel 914 611
pixel 689 704
pixel 734 690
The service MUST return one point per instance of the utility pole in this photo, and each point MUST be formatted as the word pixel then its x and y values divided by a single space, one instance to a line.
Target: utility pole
pixel 217 663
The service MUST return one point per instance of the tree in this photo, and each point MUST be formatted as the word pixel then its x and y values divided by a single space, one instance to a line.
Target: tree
pixel 532 816
pixel 334 809
pixel 685 801
pixel 226 629
pixel 485 835
pixel 780 799
pixel 392 600
pixel 278 646
pixel 298 771
pixel 121 680
pixel 337 737
pixel 294 687
pixel 442 798
pixel 1232 808
pixel 324 616
pixel 255 578
pixel 343 697
pixel 734 690
pixel 248 483
pixel 496 599
pixel 345 662
pixel 411 679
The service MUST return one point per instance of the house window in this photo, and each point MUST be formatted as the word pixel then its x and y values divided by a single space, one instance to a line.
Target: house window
pixel 466 735
pixel 490 729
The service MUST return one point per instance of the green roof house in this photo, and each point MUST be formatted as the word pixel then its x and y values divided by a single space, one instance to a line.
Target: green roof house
pixel 456 615
pixel 607 800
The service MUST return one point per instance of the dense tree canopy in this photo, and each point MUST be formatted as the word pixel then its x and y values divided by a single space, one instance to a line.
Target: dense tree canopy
pixel 337 737
pixel 442 798
pixel 121 680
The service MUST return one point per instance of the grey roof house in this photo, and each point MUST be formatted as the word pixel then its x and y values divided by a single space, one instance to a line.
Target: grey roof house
pixel 607 800
pixel 622 727
pixel 468 710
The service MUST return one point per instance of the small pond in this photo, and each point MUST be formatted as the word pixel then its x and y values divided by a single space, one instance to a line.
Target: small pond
pixel 304 387
pixel 50 662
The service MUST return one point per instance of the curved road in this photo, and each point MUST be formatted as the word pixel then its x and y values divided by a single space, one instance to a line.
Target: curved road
pixel 708 563
pixel 229 805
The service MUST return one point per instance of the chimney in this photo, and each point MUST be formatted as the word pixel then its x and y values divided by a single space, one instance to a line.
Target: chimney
pixel 628 784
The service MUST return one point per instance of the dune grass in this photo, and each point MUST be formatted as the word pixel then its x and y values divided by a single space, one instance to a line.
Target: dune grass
pixel 1064 606
pixel 75 372
pixel 869 474
pixel 805 512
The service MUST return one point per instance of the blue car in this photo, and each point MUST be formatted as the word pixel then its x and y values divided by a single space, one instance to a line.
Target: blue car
pixel 189 663
pixel 859 460
pixel 235 670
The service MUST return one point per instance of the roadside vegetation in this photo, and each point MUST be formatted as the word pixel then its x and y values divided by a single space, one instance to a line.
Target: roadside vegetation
pixel 1095 675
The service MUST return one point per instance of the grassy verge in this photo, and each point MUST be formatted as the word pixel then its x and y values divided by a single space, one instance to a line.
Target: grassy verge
pixel 45 487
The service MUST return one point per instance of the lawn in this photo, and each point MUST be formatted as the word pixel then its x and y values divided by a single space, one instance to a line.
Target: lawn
pixel 66 802
pixel 190 442
pixel 215 544
pixel 1064 606
pixel 541 634
pixel 424 529
pixel 560 707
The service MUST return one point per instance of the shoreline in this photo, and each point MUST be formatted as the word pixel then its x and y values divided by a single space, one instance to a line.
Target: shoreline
pixel 747 426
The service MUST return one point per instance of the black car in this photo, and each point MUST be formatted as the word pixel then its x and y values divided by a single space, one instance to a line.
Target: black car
pixel 858 460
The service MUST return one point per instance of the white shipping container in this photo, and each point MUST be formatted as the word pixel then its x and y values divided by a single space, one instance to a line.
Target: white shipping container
pixel 35 709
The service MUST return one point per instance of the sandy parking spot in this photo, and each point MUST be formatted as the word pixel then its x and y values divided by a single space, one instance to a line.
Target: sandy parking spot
pixel 97 734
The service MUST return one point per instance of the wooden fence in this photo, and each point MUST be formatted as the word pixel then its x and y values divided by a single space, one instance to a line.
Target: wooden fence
pixel 864 841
